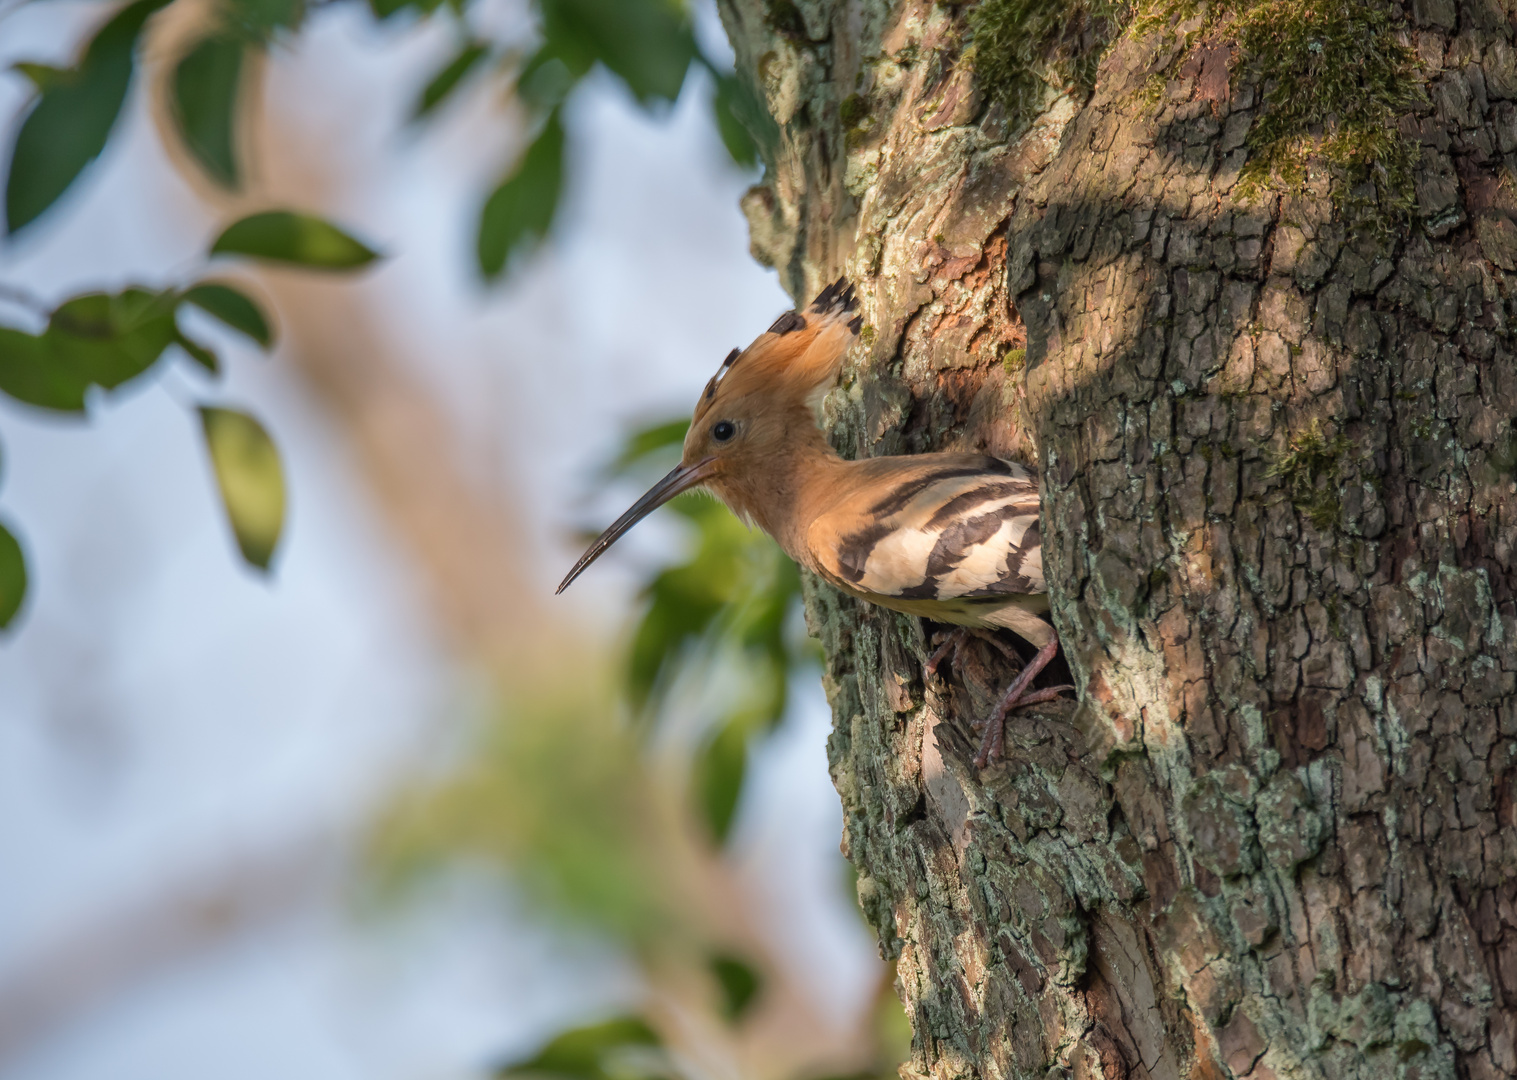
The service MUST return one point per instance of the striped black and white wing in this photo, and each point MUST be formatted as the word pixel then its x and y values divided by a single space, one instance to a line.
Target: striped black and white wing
pixel 946 527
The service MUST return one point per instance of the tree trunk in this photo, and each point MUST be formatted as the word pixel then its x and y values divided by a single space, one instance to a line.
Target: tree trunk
pixel 1276 836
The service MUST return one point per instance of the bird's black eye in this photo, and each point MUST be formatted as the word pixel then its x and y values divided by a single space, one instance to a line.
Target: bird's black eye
pixel 723 430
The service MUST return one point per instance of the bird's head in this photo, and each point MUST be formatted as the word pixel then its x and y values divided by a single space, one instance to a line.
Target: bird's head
pixel 759 405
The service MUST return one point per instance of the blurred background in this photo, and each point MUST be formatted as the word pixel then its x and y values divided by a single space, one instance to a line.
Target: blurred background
pixel 390 808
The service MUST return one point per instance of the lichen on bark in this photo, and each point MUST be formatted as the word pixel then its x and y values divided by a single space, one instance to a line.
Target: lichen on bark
pixel 1276 836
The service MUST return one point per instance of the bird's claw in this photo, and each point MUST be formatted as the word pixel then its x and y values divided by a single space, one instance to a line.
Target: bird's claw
pixel 953 642
pixel 994 726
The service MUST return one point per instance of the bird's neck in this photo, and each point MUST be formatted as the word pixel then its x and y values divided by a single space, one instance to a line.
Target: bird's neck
pixel 780 493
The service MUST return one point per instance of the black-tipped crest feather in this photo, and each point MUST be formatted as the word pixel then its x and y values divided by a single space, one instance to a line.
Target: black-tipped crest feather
pixel 787 323
pixel 835 298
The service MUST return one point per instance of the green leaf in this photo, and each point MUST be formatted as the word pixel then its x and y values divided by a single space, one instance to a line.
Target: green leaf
pixel 520 211
pixel 198 353
pixel 747 129
pixel 12 576
pixel 647 43
pixel 44 76
pixel 448 79
pixel 589 1052
pixel 250 478
pixel 99 339
pixel 205 87
pixel 287 237
pixel 259 20
pixel 642 444
pixel 384 9
pixel 738 589
pixel 233 307
pixel 109 338
pixel 735 137
pixel 73 117
pixel 28 374
pixel 718 777
pixel 684 601
pixel 739 983
pixel 546 79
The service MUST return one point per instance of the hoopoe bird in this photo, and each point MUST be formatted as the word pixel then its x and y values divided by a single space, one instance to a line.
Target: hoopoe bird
pixel 950 537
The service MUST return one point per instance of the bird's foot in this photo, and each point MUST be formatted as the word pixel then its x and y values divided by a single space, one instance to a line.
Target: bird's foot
pixel 949 641
pixel 954 643
pixel 993 740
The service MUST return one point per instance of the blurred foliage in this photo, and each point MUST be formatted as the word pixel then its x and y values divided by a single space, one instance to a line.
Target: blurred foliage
pixel 578 803
pixel 892 1028
pixel 739 983
pixel 521 210
pixel 283 236
pixel 554 791
pixel 228 304
pixel 649 45
pixel 890 1032
pixel 72 115
pixel 735 600
pixel 105 340
pixel 108 339
pixel 658 443
pixel 12 576
pixel 601 824
pixel 448 79
pixel 717 776
pixel 206 86
pixel 250 478
pixel 102 341
pixel 748 131
pixel 625 1048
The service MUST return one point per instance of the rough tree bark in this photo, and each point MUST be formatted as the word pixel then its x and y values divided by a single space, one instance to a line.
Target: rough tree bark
pixel 1276 836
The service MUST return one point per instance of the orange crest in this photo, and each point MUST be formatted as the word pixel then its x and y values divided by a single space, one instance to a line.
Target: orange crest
pixel 795 359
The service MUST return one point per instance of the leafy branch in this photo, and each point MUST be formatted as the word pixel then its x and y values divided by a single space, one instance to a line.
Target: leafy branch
pixel 101 340
pixel 98 342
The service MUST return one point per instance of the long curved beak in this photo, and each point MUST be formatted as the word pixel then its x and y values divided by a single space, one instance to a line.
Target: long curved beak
pixel 680 479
